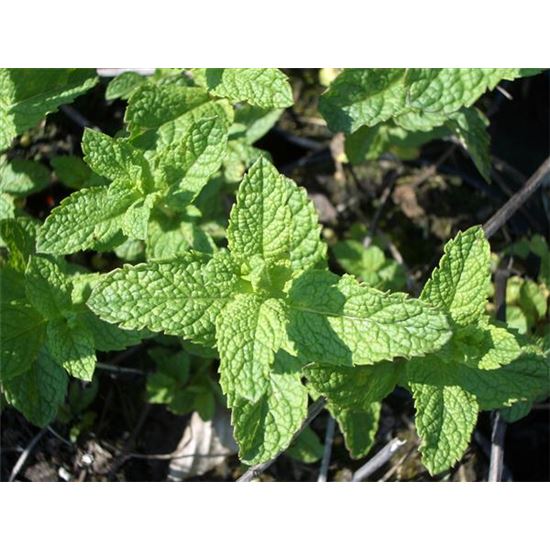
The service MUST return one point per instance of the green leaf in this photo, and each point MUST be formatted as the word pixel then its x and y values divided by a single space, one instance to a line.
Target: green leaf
pixel 19 236
pixel 189 162
pixel 152 105
pixel 516 412
pixel 265 88
pixel 354 388
pixel 360 97
pixel 135 220
pixel 471 127
pixel 239 157
pixel 524 379
pixel 252 123
pixel 370 142
pixel 169 237
pixel 182 297
pixel 7 206
pixel 39 391
pixel 115 159
pixel 533 300
pixel 446 414
pixel 359 427
pixel 167 384
pixel 75 173
pixel 249 331
pixel 342 322
pixel 461 282
pixel 22 329
pixel 89 218
pixel 72 346
pixel 123 85
pixel 370 265
pixel 417 99
pixel 109 337
pixel 447 90
pixel 28 95
pixel 266 427
pixel 22 177
pixel 453 390
pixel 274 219
pixel 307 447
pixel 47 288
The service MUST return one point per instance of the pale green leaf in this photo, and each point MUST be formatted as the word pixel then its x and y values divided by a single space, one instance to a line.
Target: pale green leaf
pixel 108 337
pixel 417 99
pixel 249 332
pixel 169 237
pixel 152 105
pixel 123 85
pixel 239 157
pixel 75 173
pixel 461 282
pixel 188 163
pixel 89 218
pixel 252 123
pixel 265 88
pixel 447 90
pixel 266 427
pixel 115 159
pixel 19 236
pixel 182 297
pixel 360 97
pixel 7 206
pixel 274 219
pixel 71 345
pixel 135 220
pixel 342 322
pixel 525 379
pixel 354 388
pixel 446 414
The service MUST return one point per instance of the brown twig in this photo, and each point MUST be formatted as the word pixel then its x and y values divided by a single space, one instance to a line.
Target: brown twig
pixel 378 460
pixel 386 193
pixel 256 471
pixel 432 169
pixel 496 461
pixel 327 451
pixel 26 453
pixel 507 210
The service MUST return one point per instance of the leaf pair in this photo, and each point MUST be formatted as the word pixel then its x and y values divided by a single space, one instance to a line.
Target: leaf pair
pixel 270 307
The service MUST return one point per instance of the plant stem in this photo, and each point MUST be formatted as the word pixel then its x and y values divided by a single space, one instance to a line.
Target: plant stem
pixel 509 208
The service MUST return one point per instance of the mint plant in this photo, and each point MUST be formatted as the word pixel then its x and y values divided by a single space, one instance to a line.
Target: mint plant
pixel 271 307
pixel 403 108
pixel 254 297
